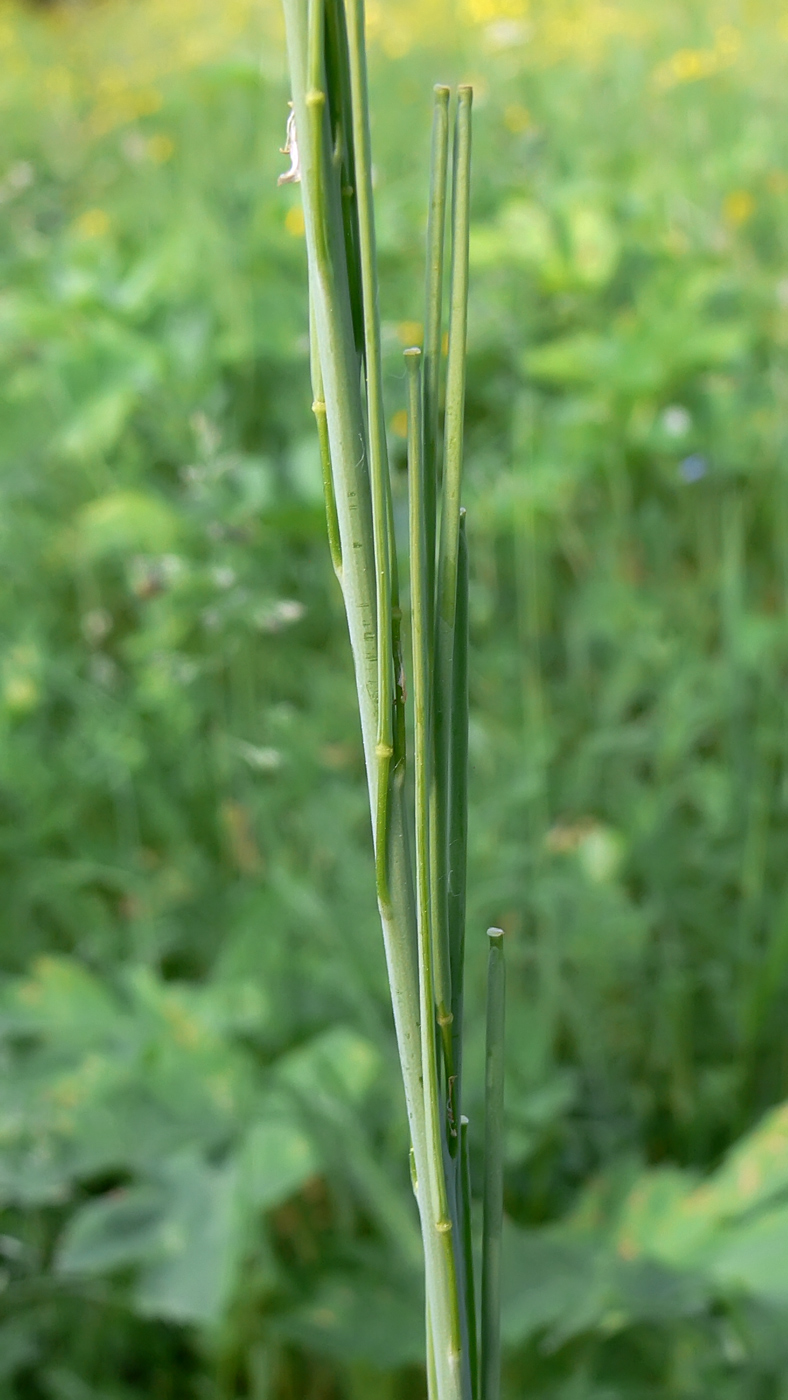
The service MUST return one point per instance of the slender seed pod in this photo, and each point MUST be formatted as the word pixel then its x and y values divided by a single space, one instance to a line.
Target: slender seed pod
pixel 493 1171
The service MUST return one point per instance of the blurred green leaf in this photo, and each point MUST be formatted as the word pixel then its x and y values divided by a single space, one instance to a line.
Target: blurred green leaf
pixel 113 1231
pixel 125 522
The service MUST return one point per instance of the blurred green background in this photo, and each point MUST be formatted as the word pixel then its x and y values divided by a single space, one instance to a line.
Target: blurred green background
pixel 203 1179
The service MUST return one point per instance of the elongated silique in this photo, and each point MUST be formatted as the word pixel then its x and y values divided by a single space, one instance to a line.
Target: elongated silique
pixel 419 829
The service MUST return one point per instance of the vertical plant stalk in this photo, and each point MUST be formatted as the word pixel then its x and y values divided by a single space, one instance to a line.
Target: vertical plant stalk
pixel 467 1249
pixel 433 319
pixel 493 1171
pixel 376 420
pixel 422 900
pixel 445 1324
pixel 446 601
pixel 337 361
pixel 457 833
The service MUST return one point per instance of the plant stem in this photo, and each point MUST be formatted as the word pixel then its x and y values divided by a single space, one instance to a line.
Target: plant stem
pixel 378 452
pixel 338 359
pixel 329 80
pixel 319 410
pixel 467 1250
pixel 433 318
pixel 449 552
pixel 447 1326
pixel 493 1171
pixel 458 814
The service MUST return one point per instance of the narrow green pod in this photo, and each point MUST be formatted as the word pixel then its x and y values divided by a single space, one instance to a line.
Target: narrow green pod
pixel 433 317
pixel 337 64
pixel 378 451
pixel 446 596
pixel 455 372
pixel 458 819
pixel 467 1253
pixel 445 1315
pixel 493 1171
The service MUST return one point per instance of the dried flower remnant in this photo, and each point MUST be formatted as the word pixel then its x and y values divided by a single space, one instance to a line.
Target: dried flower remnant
pixel 290 148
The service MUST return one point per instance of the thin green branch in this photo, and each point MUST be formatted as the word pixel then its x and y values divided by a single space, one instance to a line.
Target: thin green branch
pixel 328 275
pixel 493 1171
pixel 327 64
pixel 458 816
pixel 467 1253
pixel 445 1312
pixel 433 318
pixel 343 154
pixel 378 452
pixel 448 559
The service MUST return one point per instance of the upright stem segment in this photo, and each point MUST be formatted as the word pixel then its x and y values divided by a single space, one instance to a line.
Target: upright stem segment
pixel 422 899
pixel 493 1170
pixel 376 419
pixel 347 452
pixel 446 1324
pixel 433 318
pixel 448 562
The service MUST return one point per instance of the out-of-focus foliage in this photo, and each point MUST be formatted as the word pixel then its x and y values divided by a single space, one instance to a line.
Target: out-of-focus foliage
pixel 203 1157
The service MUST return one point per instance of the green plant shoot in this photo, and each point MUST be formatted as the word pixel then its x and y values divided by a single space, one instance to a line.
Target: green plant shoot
pixel 419 841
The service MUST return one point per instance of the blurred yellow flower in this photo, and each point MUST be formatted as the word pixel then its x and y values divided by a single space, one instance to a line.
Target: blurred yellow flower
pixel 294 221
pixel 410 333
pixel 121 107
pixel 687 65
pixel 161 148
pixel 399 424
pixel 516 118
pixel 727 41
pixel 21 690
pixel 112 81
pixel 373 20
pixel 21 694
pixel 396 42
pixel 58 82
pixel 94 223
pixel 487 11
pixel 738 207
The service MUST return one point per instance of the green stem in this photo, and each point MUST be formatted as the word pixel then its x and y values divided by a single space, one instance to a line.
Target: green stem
pixel 446 602
pixel 444 1309
pixel 345 420
pixel 378 452
pixel 458 817
pixel 343 153
pixel 319 410
pixel 433 319
pixel 330 104
pixel 432 1379
pixel 493 1171
pixel 467 1251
